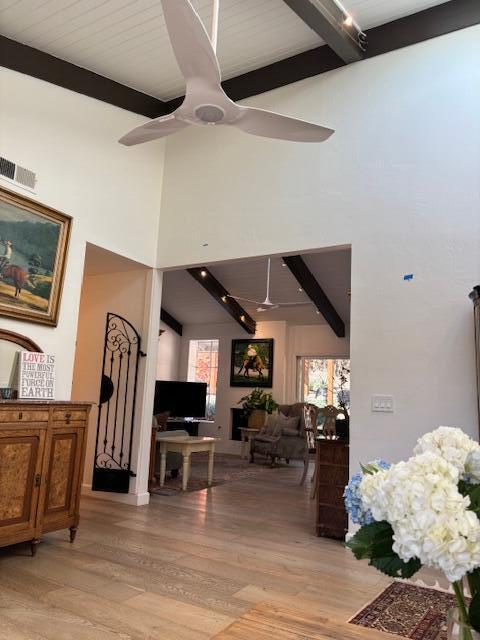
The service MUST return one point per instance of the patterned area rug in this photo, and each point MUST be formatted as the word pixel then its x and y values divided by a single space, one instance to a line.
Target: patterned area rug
pixel 226 468
pixel 408 611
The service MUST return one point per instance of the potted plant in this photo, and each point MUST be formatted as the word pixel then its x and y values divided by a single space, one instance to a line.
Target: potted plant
pixel 256 405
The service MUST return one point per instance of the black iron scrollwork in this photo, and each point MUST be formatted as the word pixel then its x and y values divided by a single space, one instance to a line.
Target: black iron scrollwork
pixel 116 407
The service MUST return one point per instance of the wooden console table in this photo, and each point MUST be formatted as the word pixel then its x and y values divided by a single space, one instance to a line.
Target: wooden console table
pixel 42 453
pixel 186 446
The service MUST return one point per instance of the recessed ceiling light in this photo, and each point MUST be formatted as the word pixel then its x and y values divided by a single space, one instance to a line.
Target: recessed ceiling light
pixel 224 298
pixel 300 289
pixel 242 318
pixel 203 273
pixel 284 264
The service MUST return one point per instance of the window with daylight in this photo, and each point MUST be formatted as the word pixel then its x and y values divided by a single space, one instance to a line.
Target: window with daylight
pixel 323 381
pixel 203 367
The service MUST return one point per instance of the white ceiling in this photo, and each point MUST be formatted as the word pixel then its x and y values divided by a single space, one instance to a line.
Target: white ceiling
pixel 189 303
pixel 126 40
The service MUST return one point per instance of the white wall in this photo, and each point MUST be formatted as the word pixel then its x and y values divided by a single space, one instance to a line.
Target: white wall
pixel 227 396
pixel 111 292
pixel 128 294
pixel 311 340
pixel 168 354
pixel 290 341
pixel 399 182
pixel 112 193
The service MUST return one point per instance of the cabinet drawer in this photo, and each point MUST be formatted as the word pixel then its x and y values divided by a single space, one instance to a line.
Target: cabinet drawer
pixel 69 415
pixel 68 424
pixel 23 415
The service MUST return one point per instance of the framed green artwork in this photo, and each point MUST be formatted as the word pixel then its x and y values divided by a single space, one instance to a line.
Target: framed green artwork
pixel 33 250
pixel 252 363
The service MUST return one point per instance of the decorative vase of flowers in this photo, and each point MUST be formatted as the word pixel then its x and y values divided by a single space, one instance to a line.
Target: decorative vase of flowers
pixel 425 512
pixel 458 630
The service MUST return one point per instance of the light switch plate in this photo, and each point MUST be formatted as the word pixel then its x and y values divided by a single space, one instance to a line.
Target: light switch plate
pixel 383 404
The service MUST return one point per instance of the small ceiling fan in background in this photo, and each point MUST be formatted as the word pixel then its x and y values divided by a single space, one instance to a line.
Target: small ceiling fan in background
pixel 205 101
pixel 267 304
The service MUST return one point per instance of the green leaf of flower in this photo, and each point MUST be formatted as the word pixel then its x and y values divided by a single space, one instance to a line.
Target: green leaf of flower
pixel 474 495
pixel 473 492
pixel 474 612
pixel 375 541
pixel 392 565
pixel 362 543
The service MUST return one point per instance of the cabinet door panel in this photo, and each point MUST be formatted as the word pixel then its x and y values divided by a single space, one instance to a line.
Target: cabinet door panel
pixel 20 468
pixel 63 473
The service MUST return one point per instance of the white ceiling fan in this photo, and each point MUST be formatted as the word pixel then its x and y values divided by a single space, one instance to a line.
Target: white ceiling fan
pixel 267 304
pixel 205 101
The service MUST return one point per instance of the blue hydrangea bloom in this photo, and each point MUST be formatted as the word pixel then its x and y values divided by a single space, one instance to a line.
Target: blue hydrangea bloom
pixel 353 500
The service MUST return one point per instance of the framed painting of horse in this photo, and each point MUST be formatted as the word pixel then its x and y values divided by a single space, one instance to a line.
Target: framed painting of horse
pixel 252 363
pixel 33 249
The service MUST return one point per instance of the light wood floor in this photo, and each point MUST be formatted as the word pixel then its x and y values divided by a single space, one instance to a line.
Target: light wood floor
pixel 185 568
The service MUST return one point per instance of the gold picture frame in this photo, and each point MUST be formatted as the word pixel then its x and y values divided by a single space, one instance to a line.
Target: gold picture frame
pixel 34 243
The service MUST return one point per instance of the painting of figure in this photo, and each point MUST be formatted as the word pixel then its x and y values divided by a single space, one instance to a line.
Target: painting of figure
pixel 33 249
pixel 252 363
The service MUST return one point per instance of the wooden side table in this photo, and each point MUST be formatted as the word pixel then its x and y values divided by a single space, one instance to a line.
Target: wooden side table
pixel 247 435
pixel 332 474
pixel 186 445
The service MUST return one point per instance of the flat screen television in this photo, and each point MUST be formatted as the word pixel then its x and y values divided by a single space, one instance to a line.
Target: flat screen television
pixel 181 399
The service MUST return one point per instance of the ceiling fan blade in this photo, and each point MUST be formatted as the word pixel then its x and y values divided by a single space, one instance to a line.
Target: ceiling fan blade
pixel 271 307
pixel 268 124
pixel 190 42
pixel 293 304
pixel 153 130
pixel 245 299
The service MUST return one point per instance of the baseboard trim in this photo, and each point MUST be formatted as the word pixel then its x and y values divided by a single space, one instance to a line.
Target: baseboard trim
pixel 135 499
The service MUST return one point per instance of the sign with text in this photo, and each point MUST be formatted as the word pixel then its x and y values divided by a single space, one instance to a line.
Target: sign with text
pixel 36 376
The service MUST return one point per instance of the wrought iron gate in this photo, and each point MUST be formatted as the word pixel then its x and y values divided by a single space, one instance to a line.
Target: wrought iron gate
pixel 116 406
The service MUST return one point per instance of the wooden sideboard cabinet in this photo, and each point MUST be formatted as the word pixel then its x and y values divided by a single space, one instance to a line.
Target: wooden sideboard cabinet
pixel 332 475
pixel 42 455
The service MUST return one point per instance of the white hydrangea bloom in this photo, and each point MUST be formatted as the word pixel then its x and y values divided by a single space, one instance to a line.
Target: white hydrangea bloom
pixel 428 515
pixel 375 495
pixel 472 467
pixel 452 444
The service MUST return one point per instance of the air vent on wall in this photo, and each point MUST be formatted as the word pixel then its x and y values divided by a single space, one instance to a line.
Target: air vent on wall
pixel 17 174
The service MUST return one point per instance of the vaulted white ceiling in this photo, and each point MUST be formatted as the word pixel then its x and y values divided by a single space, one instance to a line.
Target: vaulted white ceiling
pixel 126 40
pixel 189 303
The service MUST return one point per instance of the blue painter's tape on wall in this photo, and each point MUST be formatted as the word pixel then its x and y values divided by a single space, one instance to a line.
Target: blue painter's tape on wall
pixel 408 276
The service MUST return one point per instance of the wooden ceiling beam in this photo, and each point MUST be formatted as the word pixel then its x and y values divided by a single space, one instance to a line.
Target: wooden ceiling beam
pixel 417 27
pixel 170 321
pixel 314 291
pixel 33 62
pixel 430 23
pixel 218 292
pixel 326 18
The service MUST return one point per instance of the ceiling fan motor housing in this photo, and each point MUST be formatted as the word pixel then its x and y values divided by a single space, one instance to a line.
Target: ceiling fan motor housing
pixel 205 101
pixel 209 113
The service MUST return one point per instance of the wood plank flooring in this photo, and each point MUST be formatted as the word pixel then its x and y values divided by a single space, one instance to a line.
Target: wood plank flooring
pixel 188 567
pixel 266 621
